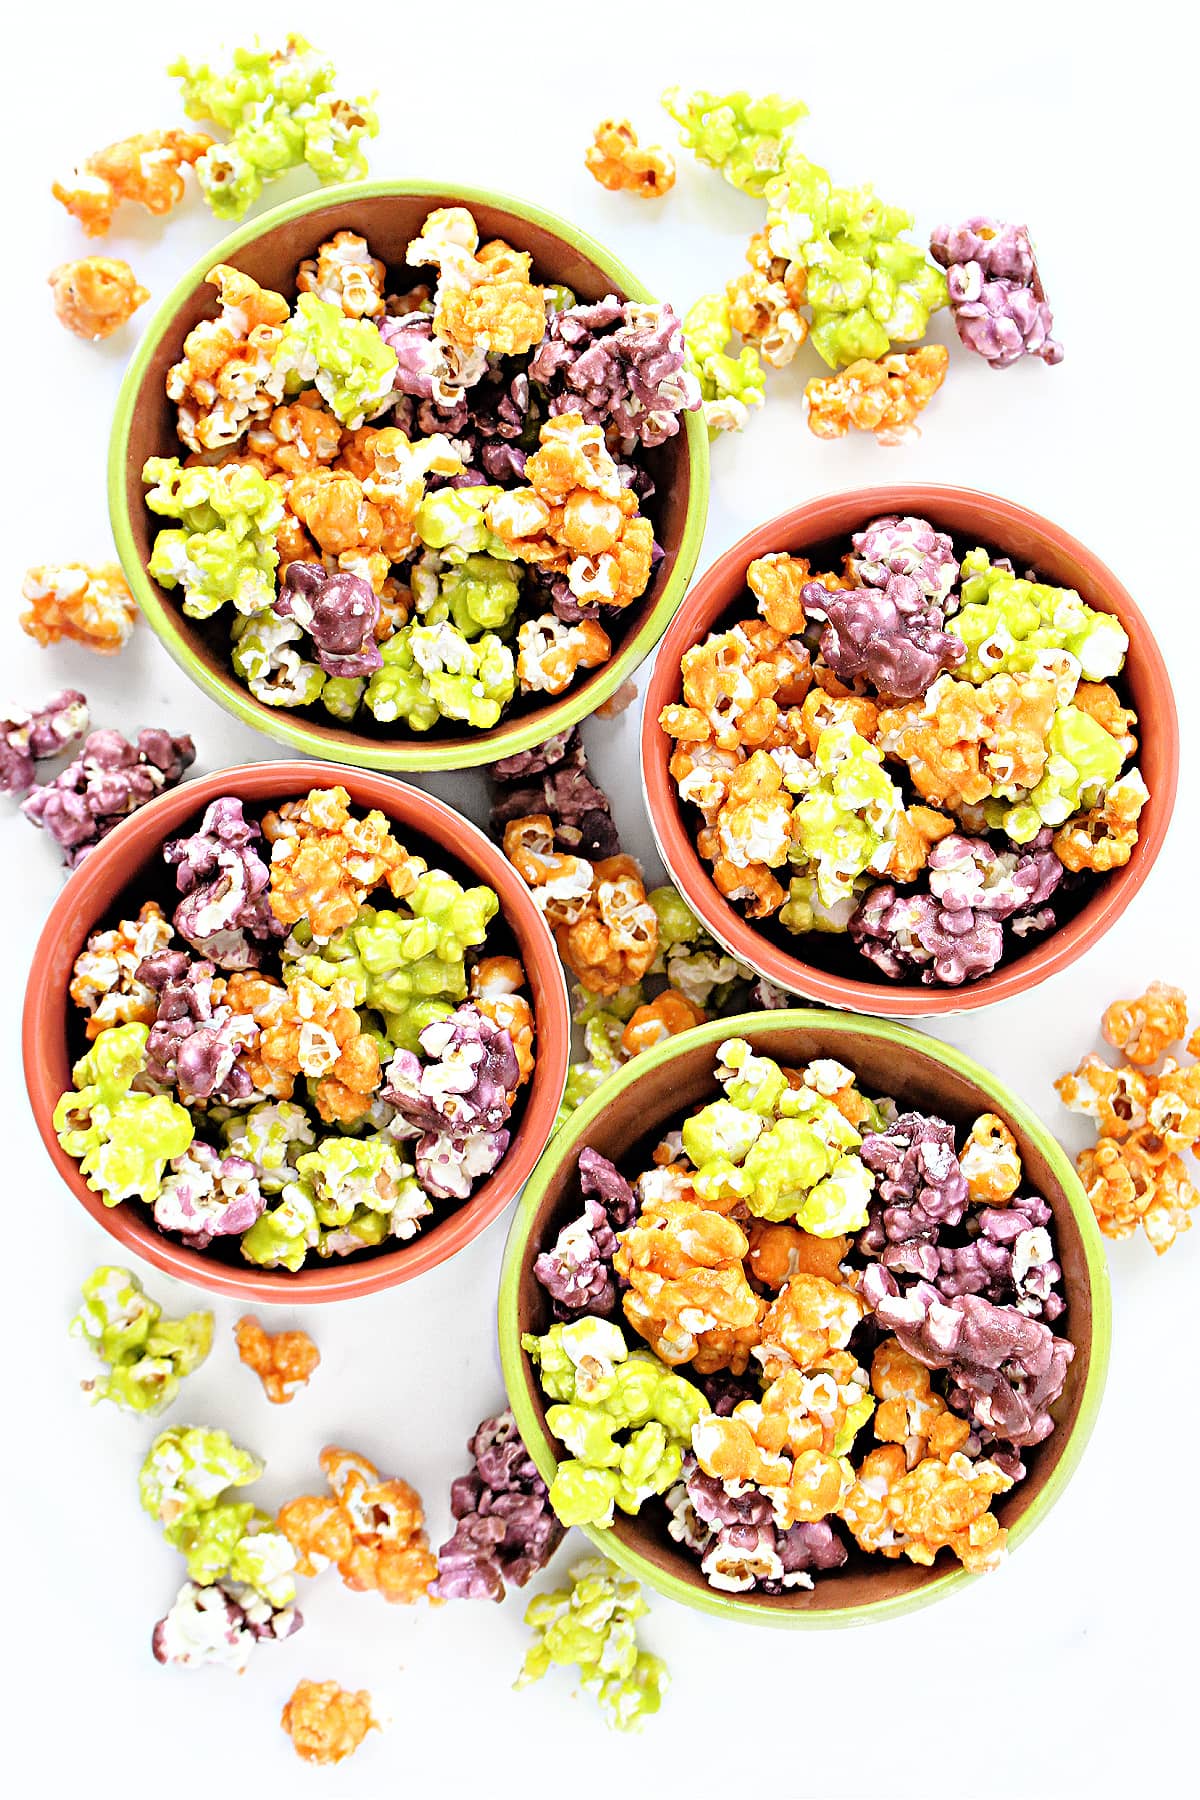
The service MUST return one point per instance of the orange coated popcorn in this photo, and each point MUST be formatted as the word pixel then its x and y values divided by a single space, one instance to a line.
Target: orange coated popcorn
pixel 664 1017
pixel 909 1412
pixel 332 506
pixel 764 305
pixel 551 653
pixel 91 606
pixel 1104 837
pixel 325 861
pixel 776 582
pixel 613 939
pixel 918 829
pixel 1100 701
pixel 1142 1029
pixel 282 1360
pixel 936 1505
pixel 990 1161
pixel 777 1252
pixel 313 1031
pixel 226 379
pixel 496 982
pixel 301 435
pixel 370 1530
pixel 325 1722
pixel 822 708
pixel 702 773
pixel 144 169
pixel 96 296
pixel 104 977
pixel 688 1295
pixel 807 1321
pixel 754 886
pixel 1174 1110
pixel 754 826
pixel 622 165
pixel 560 883
pixel 884 397
pixel 485 302
pixel 345 274
pixel 1127 1188
pixel 965 743
pixel 785 1444
pixel 1117 1099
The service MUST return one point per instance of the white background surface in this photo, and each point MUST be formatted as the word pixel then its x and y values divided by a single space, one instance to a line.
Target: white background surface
pixel 1067 1671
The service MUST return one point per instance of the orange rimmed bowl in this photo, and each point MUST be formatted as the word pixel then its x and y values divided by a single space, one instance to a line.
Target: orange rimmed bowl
pixel 822 528
pixel 109 879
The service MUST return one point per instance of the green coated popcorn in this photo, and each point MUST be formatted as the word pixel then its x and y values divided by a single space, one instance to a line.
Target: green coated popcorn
pixel 186 1473
pixel 399 691
pixel 605 1390
pixel 344 1175
pixel 433 672
pixel 333 139
pixel 122 1140
pixel 747 139
pixel 266 657
pixel 730 386
pixel 452 521
pixel 1007 622
pixel 677 923
pixel 755 1083
pixel 271 1135
pixel 602 1041
pixel 804 910
pixel 280 1237
pixel 341 696
pixel 1082 762
pixel 476 595
pixel 867 286
pixel 225 548
pixel 591 1626
pixel 838 1204
pixel 147 1355
pixel 394 960
pixel 720 1132
pixel 856 1417
pixel 352 366
pixel 187 1469
pixel 846 804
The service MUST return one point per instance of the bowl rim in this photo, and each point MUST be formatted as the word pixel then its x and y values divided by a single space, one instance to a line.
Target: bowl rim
pixel 736 934
pixel 572 1136
pixel 286 725
pixel 336 1280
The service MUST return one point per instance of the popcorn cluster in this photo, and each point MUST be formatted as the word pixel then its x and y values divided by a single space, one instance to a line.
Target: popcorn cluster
pixel 421 488
pixel 802 1262
pixel 1147 1116
pixel 147 1356
pixel 592 1626
pixel 505 1529
pixel 918 753
pixel 368 1528
pixel 285 1064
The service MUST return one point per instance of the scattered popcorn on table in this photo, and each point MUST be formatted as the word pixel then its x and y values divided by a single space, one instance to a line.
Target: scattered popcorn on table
pixel 49 730
pixel 325 1722
pixel 369 1528
pixel 90 606
pixel 620 163
pixel 147 1355
pixel 284 1361
pixel 747 139
pixel 219 1624
pixel 110 778
pixel 96 296
pixel 805 1284
pixel 504 1530
pixel 144 169
pixel 1147 1119
pixel 592 1626
pixel 996 295
pixel 884 397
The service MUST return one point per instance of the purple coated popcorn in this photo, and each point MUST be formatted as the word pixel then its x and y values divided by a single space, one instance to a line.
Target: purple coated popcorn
pixel 1004 1370
pixel 219 1623
pixel 225 914
pixel 996 295
pixel 903 932
pixel 339 612
pixel 621 366
pixel 546 755
pixel 462 1081
pixel 968 874
pixel 109 779
pixel 921 1186
pixel 448 1166
pixel 724 1391
pixel 891 635
pixel 895 545
pixel 48 730
pixel 809 1546
pixel 731 1528
pixel 563 790
pixel 1009 1260
pixel 577 1273
pixel 715 1505
pixel 601 1180
pixel 194 1045
pixel 505 1528
pixel 419 356
pixel 204 1195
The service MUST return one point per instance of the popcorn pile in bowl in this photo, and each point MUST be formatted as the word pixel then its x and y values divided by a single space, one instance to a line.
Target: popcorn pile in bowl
pixel 916 764
pixel 423 493
pixel 306 1056
pixel 815 1328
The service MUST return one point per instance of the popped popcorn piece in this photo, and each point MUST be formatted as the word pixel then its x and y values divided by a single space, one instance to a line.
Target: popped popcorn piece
pixel 746 138
pixel 764 305
pixel 227 377
pixel 143 169
pixel 592 1626
pixel 577 1272
pixel 1008 624
pixel 909 1412
pixel 147 1356
pixel 109 779
pixel 611 940
pixel 219 1624
pixel 505 1530
pixel 896 545
pixel 29 737
pixel 892 635
pixel 622 365
pixel 730 386
pixel 326 1722
pixel 1141 1029
pixel 370 1529
pixel 90 606
pixel 495 986
pixel 225 914
pixel 224 548
pixel 936 1505
pixel 352 367
pixel 325 860
pixel 96 296
pixel 806 1322
pixel 996 295
pixel 1118 1099
pixel 687 1292
pixel 1103 837
pixel 204 1195
pixel 551 654
pixel 990 1161
pixel 121 1138
pixel 965 743
pixel 345 274
pixel 553 781
pixel 462 1080
pixel 183 1483
pixel 431 672
pixel 105 979
pixel 196 1041
pixel 283 1360
pixel 621 164
pixel 881 397
pixel 308 1030
pixel 485 300
pixel 1126 1188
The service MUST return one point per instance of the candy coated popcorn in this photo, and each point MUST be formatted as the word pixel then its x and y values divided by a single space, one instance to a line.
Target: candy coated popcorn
pixel 909 1413
pixel 370 1530
pixel 577 1272
pixel 462 1082
pixel 808 1319
pixel 1006 622
pixel 225 548
pixel 1143 1028
pixel 345 274
pixel 122 1139
pixel 29 737
pixel 611 940
pixel 551 653
pixel 325 861
pixel 432 672
pixel 105 981
pixel 504 1528
pixel 187 1469
pixel 226 379
pixel 147 1355
pixel 687 1293
pixel 1103 837
pixel 882 397
pixel 747 139
pixel 219 1624
pixel 592 1626
pixel 96 296
pixel 349 362
pixel 326 1722
pixel 196 1041
pixel 935 1505
pixel 623 365
pixel 1000 309
pixel 965 743
pixel 225 914
pixel 109 779
pixel 895 545
pixel 553 781
pixel 730 386
pixel 990 1161
pixel 340 613
pixel 308 1030
pixel 90 606
pixel 621 164
pixel 890 634
pixel 144 169
pixel 204 1195
pixel 764 304
pixel 846 804
pixel 283 1360
pixel 1125 1189
pixel 1082 762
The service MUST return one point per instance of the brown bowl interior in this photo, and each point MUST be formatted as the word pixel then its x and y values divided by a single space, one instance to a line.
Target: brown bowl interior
pixel 627 1131
pixel 388 223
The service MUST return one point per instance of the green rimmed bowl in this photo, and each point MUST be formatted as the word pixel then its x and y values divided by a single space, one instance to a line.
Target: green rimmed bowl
pixel 388 214
pixel 623 1121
